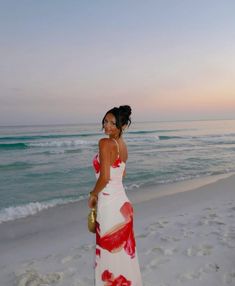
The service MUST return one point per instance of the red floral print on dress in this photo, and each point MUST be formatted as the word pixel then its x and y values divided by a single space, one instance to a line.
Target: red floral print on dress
pixel 110 280
pixel 122 236
pixel 96 163
pixel 97 252
pixel 117 163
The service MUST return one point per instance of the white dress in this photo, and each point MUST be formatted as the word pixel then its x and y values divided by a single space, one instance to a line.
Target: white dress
pixel 116 261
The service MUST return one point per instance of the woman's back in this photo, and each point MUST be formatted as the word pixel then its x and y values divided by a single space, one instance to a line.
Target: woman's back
pixel 118 162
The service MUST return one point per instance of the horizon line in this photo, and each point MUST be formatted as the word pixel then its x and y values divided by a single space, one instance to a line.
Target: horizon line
pixel 96 123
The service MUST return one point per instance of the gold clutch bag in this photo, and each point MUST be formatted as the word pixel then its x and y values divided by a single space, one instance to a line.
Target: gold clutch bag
pixel 91 220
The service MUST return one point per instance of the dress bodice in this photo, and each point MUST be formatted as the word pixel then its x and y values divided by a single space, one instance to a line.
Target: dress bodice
pixel 116 169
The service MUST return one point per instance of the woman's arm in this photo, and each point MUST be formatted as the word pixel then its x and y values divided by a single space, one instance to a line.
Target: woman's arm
pixel 104 157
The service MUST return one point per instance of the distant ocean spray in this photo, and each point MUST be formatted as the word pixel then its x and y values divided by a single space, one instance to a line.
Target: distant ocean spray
pixel 44 166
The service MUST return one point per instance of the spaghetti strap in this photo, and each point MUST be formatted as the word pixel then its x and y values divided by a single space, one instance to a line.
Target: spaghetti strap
pixel 117 145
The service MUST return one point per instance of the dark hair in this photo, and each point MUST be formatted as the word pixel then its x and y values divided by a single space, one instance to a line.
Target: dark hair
pixel 122 115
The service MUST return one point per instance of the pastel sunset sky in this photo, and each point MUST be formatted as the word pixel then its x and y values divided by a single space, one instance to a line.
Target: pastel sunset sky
pixel 70 61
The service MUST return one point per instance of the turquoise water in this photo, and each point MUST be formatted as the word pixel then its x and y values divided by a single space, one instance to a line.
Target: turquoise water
pixel 43 166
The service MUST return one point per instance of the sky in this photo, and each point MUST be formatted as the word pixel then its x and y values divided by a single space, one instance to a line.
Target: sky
pixel 71 61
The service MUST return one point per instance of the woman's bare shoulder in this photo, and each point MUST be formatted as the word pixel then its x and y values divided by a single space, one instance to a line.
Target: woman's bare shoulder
pixel 105 143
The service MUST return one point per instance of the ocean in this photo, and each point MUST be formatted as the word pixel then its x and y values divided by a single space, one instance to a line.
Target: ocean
pixel 44 166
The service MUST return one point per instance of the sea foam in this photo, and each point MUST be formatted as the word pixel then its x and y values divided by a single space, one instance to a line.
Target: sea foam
pixel 21 211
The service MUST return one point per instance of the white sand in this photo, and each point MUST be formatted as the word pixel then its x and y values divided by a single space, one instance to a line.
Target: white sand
pixel 183 238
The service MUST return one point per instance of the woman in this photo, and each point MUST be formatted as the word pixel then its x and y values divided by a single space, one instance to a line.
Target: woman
pixel 116 257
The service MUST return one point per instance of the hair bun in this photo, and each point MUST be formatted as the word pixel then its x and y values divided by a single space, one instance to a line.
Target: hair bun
pixel 125 109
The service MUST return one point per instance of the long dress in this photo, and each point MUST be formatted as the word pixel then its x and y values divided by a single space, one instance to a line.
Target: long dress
pixel 116 261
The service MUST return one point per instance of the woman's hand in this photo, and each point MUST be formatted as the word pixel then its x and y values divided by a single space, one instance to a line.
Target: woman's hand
pixel 92 201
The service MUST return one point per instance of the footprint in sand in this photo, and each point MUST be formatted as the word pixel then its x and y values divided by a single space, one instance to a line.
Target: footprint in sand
pixel 169 238
pixel 212 215
pixel 209 268
pixel 146 283
pixel 157 225
pixel 199 250
pixel 162 251
pixel 188 276
pixel 85 282
pixel 211 220
pixel 183 214
pixel 86 247
pixel 217 222
pixel 187 233
pixel 215 232
pixel 231 215
pixel 142 235
pixel 156 262
pixel 231 212
pixel 82 249
pixel 197 274
pixel 228 238
pixel 174 238
pixel 208 209
pixel 181 224
pixel 66 259
pixel 229 278
pixel 32 277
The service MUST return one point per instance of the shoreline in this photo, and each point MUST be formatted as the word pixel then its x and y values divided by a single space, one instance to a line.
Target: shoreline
pixel 138 195
pixel 161 190
pixel 193 227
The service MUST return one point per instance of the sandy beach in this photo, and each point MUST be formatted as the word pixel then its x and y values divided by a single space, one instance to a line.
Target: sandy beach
pixel 141 96
pixel 185 236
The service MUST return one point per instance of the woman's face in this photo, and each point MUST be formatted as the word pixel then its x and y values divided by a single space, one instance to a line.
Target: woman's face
pixel 110 127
